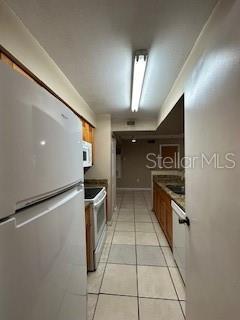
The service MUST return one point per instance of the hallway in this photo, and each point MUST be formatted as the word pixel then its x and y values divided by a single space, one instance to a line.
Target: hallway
pixel 137 277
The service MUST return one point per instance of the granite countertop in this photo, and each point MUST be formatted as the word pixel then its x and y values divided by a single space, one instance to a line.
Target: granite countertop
pixel 163 181
pixel 96 182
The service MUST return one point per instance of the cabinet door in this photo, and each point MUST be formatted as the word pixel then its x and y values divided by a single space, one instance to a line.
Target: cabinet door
pixel 154 198
pixel 159 201
pixel 162 217
pixel 90 134
pixel 87 132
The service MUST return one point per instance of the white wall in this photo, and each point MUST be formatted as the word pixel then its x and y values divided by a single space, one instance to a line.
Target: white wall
pixel 102 150
pixel 181 81
pixel 16 38
pixel 212 116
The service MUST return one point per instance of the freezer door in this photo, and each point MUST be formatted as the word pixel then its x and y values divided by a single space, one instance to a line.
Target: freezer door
pixel 40 142
pixel 43 261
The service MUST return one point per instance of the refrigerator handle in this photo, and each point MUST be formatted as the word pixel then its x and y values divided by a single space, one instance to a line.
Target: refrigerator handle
pixel 37 211
pixel 4 222
pixel 80 185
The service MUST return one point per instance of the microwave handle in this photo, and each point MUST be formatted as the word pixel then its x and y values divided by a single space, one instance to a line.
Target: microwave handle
pixel 101 200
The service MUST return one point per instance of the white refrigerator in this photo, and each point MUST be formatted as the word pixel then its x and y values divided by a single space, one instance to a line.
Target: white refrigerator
pixel 42 222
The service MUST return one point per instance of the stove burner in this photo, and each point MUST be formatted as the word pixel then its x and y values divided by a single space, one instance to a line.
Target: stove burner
pixel 90 193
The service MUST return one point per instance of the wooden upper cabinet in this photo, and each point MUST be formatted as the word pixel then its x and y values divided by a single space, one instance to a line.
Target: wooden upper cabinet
pixel 87 132
pixel 6 60
pixel 13 65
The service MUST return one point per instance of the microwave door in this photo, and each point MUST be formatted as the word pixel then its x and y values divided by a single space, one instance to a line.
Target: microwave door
pixel 85 158
pixel 87 154
pixel 84 155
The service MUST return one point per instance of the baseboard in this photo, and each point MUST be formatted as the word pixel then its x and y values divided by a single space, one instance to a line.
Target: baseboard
pixel 134 189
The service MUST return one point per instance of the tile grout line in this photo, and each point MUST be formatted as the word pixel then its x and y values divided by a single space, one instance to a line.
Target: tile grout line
pixel 135 233
pixel 178 298
pixel 138 297
pixel 168 267
pixel 143 297
pixel 105 265
pixel 138 300
pixel 182 308
pixel 179 301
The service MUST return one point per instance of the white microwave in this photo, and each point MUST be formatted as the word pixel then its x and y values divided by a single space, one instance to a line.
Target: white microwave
pixel 87 154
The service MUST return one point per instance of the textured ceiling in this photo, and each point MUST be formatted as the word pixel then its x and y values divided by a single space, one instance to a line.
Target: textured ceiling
pixel 92 41
pixel 173 125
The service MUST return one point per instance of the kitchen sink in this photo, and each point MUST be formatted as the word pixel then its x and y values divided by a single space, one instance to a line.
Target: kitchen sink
pixel 177 189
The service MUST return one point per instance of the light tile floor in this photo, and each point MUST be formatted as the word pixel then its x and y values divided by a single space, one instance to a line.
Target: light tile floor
pixel 137 277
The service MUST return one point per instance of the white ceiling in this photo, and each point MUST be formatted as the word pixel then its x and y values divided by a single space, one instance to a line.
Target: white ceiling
pixel 172 126
pixel 92 41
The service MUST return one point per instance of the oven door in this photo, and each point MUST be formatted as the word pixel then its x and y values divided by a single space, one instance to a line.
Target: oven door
pixel 99 210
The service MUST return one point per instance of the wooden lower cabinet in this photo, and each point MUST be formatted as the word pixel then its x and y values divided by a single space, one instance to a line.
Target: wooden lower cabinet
pixel 169 228
pixel 163 211
pixel 162 214
pixel 155 204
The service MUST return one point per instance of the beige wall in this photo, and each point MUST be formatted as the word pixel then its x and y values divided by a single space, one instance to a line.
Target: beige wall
pixel 16 38
pixel 133 156
pixel 102 168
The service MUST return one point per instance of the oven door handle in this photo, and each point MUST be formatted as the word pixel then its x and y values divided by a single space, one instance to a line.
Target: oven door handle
pixel 101 200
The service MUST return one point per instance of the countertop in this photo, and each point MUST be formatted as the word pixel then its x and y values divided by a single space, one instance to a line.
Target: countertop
pixel 163 181
pixel 96 182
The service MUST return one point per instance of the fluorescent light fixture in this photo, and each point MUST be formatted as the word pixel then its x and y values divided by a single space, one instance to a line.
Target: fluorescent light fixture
pixel 139 68
pixel 134 140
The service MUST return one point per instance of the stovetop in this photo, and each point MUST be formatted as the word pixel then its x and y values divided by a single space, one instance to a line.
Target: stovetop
pixel 91 193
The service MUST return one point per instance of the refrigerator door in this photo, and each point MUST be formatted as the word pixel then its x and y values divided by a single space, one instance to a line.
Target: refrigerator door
pixel 43 270
pixel 40 142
